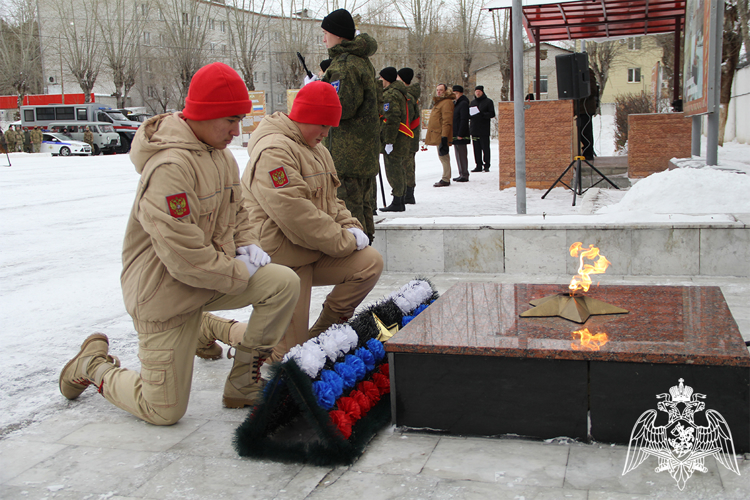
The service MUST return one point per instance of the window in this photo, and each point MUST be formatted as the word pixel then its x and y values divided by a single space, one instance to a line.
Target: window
pixel 223 49
pixel 185 19
pixel 278 78
pixel 65 113
pixel 542 85
pixel 280 98
pixel 223 26
pixel 198 20
pixel 81 114
pixel 634 43
pixel 212 47
pixel 255 76
pixel 45 114
pixel 146 38
pixel 144 10
pixel 212 24
pixel 265 80
pixel 634 75
pixel 147 65
pixel 162 40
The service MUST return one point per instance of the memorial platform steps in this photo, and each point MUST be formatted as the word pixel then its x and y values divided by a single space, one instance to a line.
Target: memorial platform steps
pixel 614 167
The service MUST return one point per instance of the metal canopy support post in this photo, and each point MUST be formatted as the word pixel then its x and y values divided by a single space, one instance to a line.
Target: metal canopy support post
pixel 518 113
pixel 695 138
pixel 537 83
pixel 712 132
pixel 676 66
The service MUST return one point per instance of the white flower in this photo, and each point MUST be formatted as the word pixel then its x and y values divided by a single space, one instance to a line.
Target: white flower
pixel 411 295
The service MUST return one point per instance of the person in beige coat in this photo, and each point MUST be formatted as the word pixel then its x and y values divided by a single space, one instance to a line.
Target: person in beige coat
pixel 289 187
pixel 189 247
pixel 440 130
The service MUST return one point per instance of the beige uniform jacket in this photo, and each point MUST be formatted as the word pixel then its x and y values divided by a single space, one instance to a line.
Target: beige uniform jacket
pixel 185 225
pixel 290 195
pixel 441 120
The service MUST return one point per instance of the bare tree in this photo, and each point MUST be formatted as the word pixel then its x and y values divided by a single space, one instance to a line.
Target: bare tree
pixel 729 58
pixel 298 33
pixel 20 55
pixel 120 26
pixel 501 32
pixel 421 17
pixel 743 10
pixel 80 42
pixel 185 26
pixel 469 17
pixel 602 55
pixel 248 23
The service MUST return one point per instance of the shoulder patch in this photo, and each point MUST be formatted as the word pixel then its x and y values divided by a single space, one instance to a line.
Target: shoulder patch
pixel 336 84
pixel 386 107
pixel 278 177
pixel 178 205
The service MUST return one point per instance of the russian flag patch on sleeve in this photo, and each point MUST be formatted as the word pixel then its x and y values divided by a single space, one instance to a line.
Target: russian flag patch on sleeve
pixel 278 177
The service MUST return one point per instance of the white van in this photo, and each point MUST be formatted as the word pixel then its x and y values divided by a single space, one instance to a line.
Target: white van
pixel 106 140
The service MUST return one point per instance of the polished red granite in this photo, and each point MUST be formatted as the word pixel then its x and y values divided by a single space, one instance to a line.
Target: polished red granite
pixel 665 324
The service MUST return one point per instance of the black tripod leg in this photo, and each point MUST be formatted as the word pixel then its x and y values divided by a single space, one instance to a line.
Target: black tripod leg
pixel 559 179
pixel 602 175
pixel 577 190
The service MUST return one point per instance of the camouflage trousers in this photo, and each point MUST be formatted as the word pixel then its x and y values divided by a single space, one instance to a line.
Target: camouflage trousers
pixel 410 167
pixel 395 171
pixel 357 194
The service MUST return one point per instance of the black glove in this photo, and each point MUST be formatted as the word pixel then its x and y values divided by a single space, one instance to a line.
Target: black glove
pixel 443 148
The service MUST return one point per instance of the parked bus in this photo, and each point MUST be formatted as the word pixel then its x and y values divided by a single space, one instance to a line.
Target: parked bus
pixel 43 115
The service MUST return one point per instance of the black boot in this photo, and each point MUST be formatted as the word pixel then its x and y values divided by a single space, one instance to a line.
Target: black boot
pixel 396 206
pixel 478 169
pixel 409 196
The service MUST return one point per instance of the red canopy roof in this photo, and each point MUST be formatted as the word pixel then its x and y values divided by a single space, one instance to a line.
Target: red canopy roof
pixel 595 19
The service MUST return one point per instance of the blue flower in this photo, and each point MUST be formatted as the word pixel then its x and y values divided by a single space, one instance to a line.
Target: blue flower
pixel 367 358
pixel 376 348
pixel 405 320
pixel 332 379
pixel 347 374
pixel 356 364
pixel 324 394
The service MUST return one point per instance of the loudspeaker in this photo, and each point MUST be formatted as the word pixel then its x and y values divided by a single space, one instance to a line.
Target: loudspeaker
pixel 573 76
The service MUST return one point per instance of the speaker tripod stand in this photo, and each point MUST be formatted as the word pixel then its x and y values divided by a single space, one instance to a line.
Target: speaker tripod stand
pixel 576 184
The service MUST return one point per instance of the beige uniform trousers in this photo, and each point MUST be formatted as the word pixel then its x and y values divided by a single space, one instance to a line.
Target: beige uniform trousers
pixel 354 277
pixel 160 393
pixel 445 160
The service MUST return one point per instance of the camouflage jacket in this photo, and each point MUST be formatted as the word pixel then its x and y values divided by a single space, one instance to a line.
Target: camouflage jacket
pixel 394 114
pixel 36 136
pixel 354 144
pixel 412 93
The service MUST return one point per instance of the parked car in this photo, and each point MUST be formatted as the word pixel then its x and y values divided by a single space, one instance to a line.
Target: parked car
pixel 106 139
pixel 59 144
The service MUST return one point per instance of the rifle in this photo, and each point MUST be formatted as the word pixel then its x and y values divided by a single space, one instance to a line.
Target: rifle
pixel 304 66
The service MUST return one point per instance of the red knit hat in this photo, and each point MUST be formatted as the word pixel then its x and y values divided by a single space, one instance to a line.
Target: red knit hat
pixel 216 91
pixel 317 103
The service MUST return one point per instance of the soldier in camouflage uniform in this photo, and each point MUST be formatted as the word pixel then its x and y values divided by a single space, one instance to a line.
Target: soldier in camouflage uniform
pixel 36 139
pixel 412 103
pixel 396 142
pixel 10 140
pixel 88 138
pixel 354 144
pixel 19 139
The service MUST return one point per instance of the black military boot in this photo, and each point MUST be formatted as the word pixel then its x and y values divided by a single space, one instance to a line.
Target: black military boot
pixel 397 205
pixel 409 196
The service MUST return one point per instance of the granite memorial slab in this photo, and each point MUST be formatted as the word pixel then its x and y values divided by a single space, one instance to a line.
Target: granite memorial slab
pixel 470 364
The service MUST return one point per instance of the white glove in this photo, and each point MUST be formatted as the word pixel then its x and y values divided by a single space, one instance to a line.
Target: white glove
pixel 245 259
pixel 362 239
pixel 388 148
pixel 258 257
pixel 310 79
pixel 473 110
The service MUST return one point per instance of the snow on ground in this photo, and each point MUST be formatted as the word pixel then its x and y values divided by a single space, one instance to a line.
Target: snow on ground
pixel 62 222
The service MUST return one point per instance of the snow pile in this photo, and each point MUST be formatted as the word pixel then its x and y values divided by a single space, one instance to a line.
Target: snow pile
pixel 687 191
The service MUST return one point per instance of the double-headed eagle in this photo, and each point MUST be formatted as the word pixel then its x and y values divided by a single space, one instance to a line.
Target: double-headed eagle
pixel 681 446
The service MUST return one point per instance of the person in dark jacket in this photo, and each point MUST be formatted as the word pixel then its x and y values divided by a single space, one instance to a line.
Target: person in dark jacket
pixel 461 137
pixel 481 111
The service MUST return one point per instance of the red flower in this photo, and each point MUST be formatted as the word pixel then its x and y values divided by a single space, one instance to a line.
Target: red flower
pixel 362 400
pixel 341 420
pixel 383 383
pixel 350 406
pixel 370 390
pixel 384 369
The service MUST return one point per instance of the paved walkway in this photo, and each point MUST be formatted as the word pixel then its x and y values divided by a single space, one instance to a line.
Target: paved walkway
pixel 91 450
